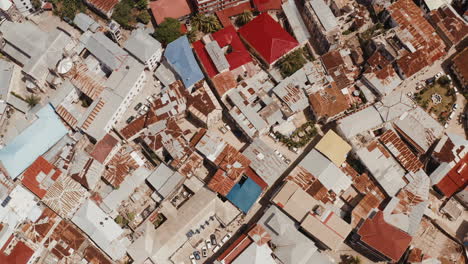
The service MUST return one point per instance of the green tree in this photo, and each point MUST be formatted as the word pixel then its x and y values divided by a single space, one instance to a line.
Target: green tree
pixel 36 4
pixel 69 8
pixel 192 35
pixel 348 259
pixel 123 13
pixel 292 62
pixel 206 23
pixel 167 31
pixel 244 18
pixel 141 4
pixel 444 80
pixel 32 100
pixel 144 17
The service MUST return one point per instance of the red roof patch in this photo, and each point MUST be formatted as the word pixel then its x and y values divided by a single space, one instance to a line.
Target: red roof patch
pixel 103 148
pixel 265 5
pixel 456 179
pixel 162 9
pixel 384 237
pixel 20 253
pixel 268 38
pixel 40 176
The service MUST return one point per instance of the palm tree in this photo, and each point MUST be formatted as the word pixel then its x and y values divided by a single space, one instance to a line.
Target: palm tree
pixel 192 35
pixel 206 24
pixel 32 100
pixel 244 18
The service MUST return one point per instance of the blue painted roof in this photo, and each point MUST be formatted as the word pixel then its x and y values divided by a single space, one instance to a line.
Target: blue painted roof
pixel 32 142
pixel 244 195
pixel 179 54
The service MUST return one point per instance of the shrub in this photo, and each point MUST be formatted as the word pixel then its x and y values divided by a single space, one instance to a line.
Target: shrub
pixel 168 31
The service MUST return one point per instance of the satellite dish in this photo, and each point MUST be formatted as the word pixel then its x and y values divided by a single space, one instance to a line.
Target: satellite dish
pixel 64 66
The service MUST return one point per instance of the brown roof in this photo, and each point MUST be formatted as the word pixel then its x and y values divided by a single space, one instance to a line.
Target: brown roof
pixel 328 102
pixel 71 239
pixel 103 148
pixel 65 196
pixel 221 183
pixel 224 82
pixel 232 162
pixel 460 62
pixel 416 30
pixel 363 208
pixel 309 183
pixel 18 252
pixel 401 151
pixel 119 167
pixel 38 230
pixel 95 256
pixel 87 82
pixel 450 24
pixel 384 237
pixel 103 5
pixel 169 8
pixel 33 182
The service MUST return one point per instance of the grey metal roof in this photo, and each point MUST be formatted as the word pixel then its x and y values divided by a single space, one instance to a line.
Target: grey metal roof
pixel 62 92
pixel 295 21
pixel 18 103
pixel 6 71
pixel 164 180
pixel 142 45
pixel 217 56
pixel 25 36
pixel 394 105
pixel 385 169
pixel 165 74
pixel 382 86
pixel 106 51
pixel 324 14
pixel 85 22
pixel 292 247
pixel 325 171
pixel 121 81
pixel 291 91
pixel 247 111
pixel 265 162
pixel 359 122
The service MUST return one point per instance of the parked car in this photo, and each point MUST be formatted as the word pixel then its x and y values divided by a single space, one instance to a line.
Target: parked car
pixel 204 252
pixel 216 248
pixel 223 130
pixel 130 119
pixel 196 254
pixel 454 106
pixel 213 240
pixel 438 75
pixel 455 89
pixel 430 80
pixel 419 87
pixel 227 127
pixel 208 243
pixel 446 125
pixel 192 259
pixel 295 150
pixel 138 106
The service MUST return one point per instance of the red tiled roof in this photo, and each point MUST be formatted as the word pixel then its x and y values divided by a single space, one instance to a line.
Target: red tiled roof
pixel 232 162
pixel 94 256
pixel 265 5
pixel 30 179
pixel 384 237
pixel 239 55
pixel 19 254
pixel 449 23
pixel 169 8
pixel 103 148
pixel 259 235
pixel 103 5
pixel 204 58
pixel 225 14
pixel 456 178
pixel 268 38
pixel 38 230
pixel 224 82
pixel 119 167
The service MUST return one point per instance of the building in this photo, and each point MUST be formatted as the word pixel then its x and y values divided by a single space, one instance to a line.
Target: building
pixel 422 46
pixel 333 147
pixel 6 73
pixel 85 22
pixel 40 176
pixel 449 25
pixel 264 161
pixel 104 7
pixel 144 48
pixel 164 180
pixel 32 142
pixel 65 196
pixel 211 6
pixel 24 7
pixel 272 44
pixel 296 24
pixel 459 68
pixel 107 52
pixel 234 56
pixel 180 57
pixel 381 240
pixel 161 243
pixel 292 92
pixel 177 9
pixel 380 76
pixel 86 170
pixel 121 87
pixel 383 166
pixel 359 122
pixel 322 25
pixel 37 60
pixel 102 229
